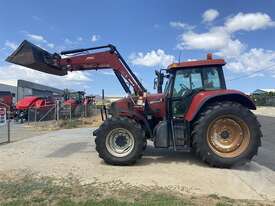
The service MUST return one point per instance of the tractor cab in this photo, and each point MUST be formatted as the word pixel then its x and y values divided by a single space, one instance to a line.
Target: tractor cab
pixel 186 79
pixel 192 75
pixel 74 97
pixel 183 82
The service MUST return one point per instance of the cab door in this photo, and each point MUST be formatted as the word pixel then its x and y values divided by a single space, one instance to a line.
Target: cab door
pixel 185 84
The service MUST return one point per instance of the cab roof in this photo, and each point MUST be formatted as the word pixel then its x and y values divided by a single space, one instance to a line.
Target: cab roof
pixel 198 63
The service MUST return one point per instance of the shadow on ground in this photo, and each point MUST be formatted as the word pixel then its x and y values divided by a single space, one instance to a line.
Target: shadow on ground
pixel 69 149
pixel 152 155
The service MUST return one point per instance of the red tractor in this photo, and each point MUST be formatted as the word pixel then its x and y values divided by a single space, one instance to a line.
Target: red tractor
pixel 6 100
pixel 77 101
pixel 31 102
pixel 195 112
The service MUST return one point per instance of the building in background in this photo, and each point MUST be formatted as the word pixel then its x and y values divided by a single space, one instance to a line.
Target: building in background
pixel 26 88
pixel 9 88
pixel 263 91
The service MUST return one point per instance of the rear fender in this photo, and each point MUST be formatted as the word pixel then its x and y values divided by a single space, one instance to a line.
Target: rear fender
pixel 205 98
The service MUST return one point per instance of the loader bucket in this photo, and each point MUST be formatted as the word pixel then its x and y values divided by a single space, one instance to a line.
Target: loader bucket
pixel 33 57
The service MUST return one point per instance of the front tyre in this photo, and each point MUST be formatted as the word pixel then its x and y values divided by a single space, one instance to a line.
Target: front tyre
pixel 226 134
pixel 120 141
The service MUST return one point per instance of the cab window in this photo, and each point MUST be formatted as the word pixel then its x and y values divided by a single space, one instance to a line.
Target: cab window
pixel 186 80
pixel 212 80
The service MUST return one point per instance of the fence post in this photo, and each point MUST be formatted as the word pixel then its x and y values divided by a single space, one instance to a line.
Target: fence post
pixel 35 118
pixel 9 131
pixel 85 110
pixel 70 113
pixel 57 110
pixel 28 116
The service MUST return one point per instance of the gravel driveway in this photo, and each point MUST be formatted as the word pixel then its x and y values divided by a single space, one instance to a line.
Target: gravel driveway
pixel 65 152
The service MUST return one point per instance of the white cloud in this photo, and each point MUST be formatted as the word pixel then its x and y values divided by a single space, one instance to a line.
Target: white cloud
pixel 233 48
pixel 256 75
pixel 210 15
pixel 223 42
pixel 95 37
pixel 50 45
pixel 181 25
pixel 36 37
pixel 11 45
pixel 216 38
pixel 77 76
pixel 110 73
pixel 222 38
pixel 152 58
pixel 68 41
pixel 79 38
pixel 253 60
pixel 40 39
pixel 11 73
pixel 248 22
pixel 9 82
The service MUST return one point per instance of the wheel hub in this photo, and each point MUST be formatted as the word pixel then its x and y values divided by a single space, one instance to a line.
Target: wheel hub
pixel 228 136
pixel 225 134
pixel 120 142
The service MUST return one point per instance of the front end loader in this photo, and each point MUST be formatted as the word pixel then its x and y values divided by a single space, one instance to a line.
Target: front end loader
pixel 195 111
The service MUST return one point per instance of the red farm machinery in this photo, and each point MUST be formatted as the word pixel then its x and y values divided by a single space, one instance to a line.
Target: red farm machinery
pixel 195 112
pixel 78 102
pixel 24 105
pixel 6 101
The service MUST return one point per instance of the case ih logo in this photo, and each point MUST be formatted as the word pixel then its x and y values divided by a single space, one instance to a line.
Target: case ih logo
pixel 3 119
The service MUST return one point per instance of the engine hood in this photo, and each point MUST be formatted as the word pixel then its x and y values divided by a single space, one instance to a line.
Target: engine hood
pixel 155 102
pixel 154 97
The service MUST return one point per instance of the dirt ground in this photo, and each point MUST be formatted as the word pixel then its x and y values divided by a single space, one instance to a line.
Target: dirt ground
pixel 72 152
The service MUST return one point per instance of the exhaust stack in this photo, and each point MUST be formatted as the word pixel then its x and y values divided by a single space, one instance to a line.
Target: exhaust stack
pixel 33 57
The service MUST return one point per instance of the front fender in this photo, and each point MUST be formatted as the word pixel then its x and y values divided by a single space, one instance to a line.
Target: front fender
pixel 204 98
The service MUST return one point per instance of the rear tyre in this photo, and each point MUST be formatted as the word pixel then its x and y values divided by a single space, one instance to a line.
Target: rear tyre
pixel 226 134
pixel 120 141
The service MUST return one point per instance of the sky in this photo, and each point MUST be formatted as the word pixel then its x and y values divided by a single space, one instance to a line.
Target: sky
pixel 150 34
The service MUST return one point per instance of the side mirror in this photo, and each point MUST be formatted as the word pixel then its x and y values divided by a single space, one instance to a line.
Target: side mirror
pixel 155 83
pixel 158 81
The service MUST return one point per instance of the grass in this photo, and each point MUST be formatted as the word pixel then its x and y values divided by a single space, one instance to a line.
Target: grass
pixel 94 121
pixel 30 190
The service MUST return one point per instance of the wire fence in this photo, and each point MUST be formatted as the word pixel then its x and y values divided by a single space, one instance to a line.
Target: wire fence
pixel 61 112
pixel 4 125
pixel 263 100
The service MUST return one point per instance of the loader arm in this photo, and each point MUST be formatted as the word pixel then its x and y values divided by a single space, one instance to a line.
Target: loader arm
pixel 110 59
pixel 34 57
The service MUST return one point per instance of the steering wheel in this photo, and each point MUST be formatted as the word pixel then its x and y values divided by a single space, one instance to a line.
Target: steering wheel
pixel 182 90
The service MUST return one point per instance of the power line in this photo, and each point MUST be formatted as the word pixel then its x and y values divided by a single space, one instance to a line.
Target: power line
pixel 248 75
